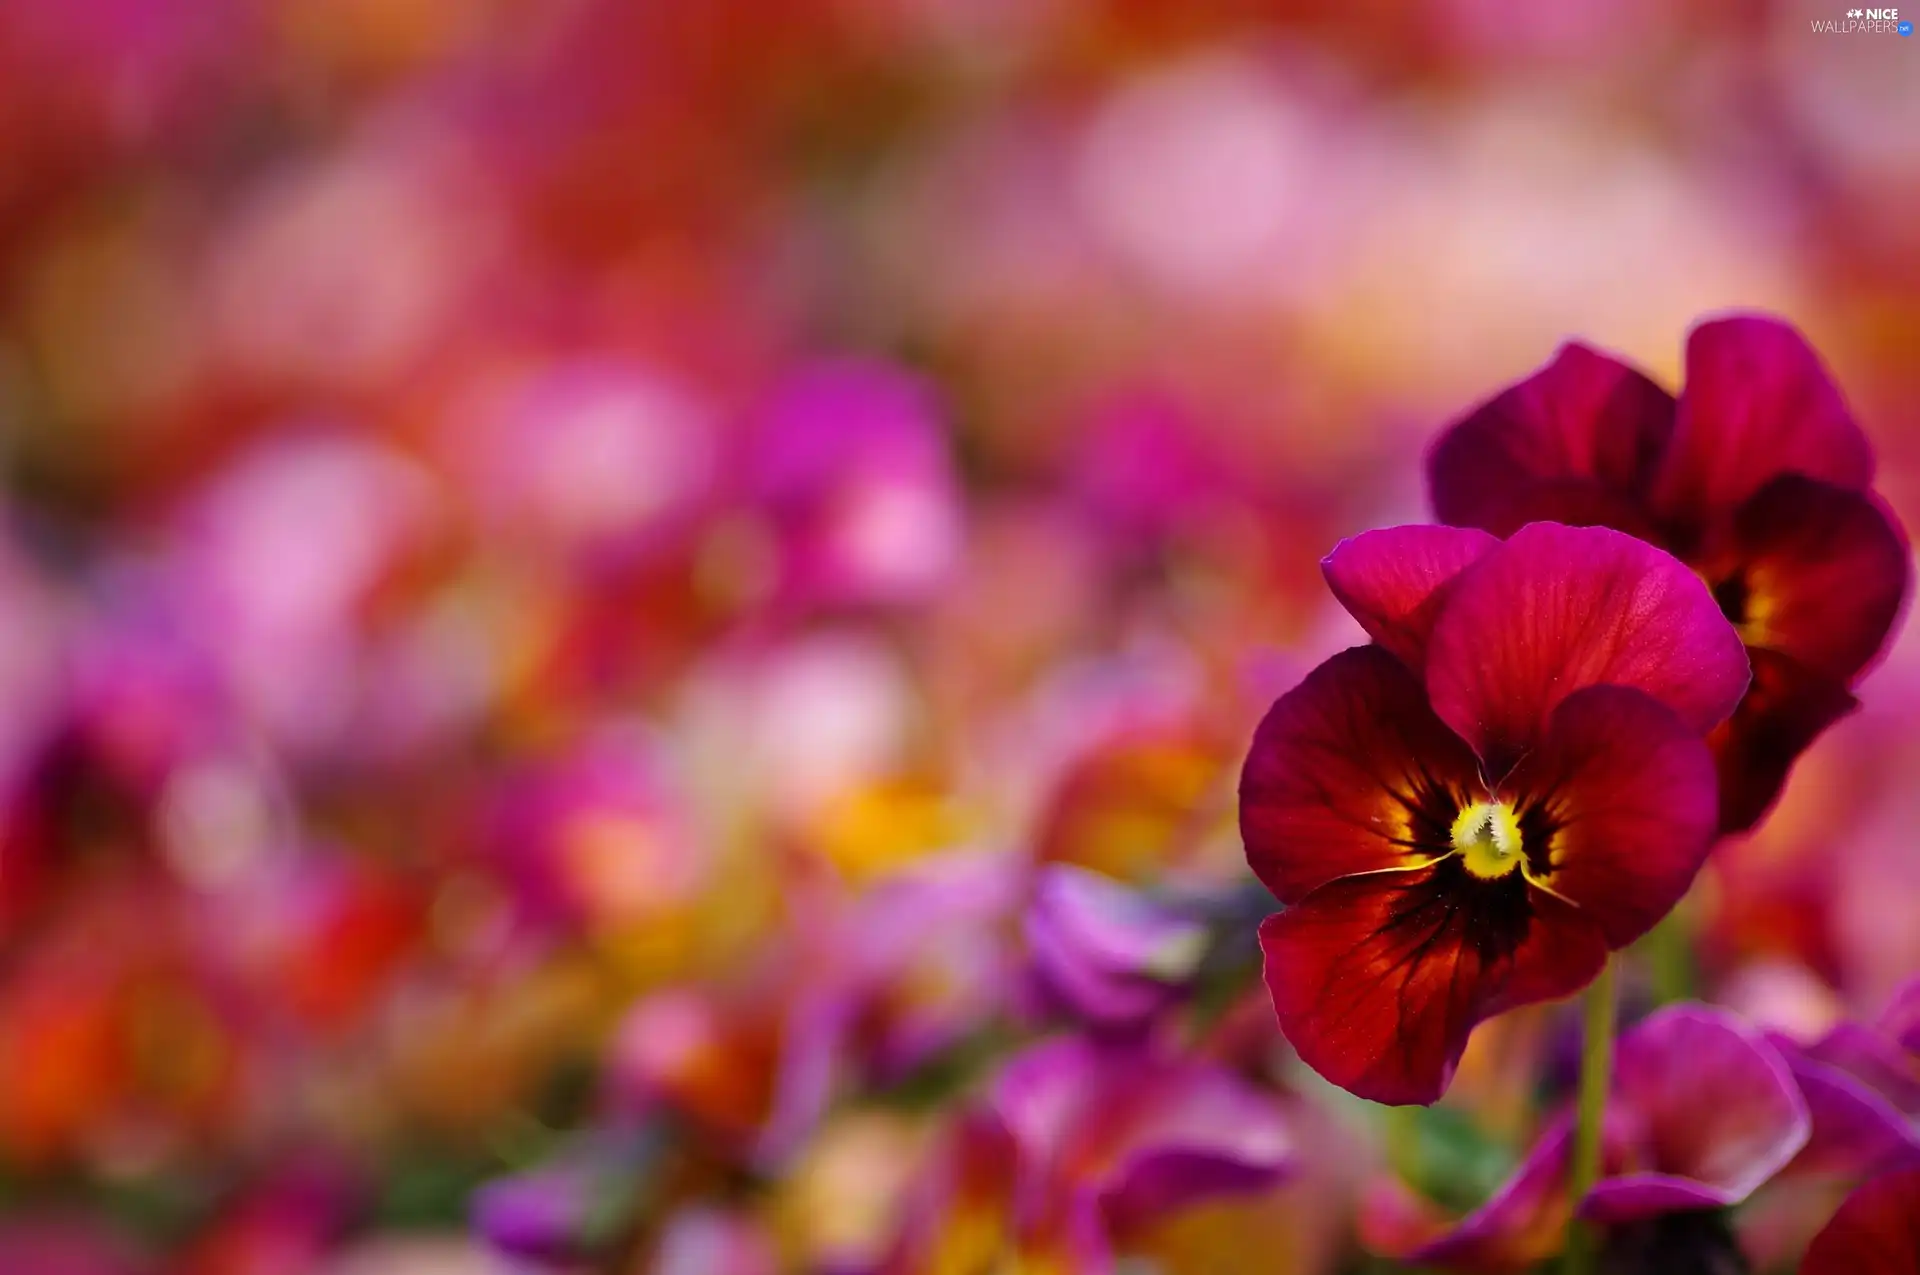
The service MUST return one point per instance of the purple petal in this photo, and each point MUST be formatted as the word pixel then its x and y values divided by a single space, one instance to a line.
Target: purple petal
pixel 1521 1223
pixel 1901 1019
pixel 1633 1196
pixel 1148 1133
pixel 1854 1128
pixel 709 1241
pixel 1719 1108
pixel 1394 580
pixel 1042 1090
pixel 851 461
pixel 540 1216
pixel 1108 954
pixel 1199 1132
pixel 1875 1059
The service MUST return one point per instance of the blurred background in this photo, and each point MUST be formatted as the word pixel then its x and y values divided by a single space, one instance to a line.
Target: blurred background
pixel 548 549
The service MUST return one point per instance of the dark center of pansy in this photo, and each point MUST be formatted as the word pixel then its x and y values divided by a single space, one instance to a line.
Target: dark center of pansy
pixel 1734 594
pixel 1487 836
pixel 1695 1242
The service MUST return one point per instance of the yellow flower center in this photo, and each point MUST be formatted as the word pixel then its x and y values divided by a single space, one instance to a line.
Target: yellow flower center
pixel 1487 835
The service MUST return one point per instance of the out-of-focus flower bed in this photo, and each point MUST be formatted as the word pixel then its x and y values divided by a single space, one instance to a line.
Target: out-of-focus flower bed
pixel 627 627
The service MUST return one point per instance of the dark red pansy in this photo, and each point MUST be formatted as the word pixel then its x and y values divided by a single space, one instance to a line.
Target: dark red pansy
pixel 1757 477
pixel 1468 815
pixel 1876 1231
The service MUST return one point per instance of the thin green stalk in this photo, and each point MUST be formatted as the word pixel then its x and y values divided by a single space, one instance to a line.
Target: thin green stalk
pixel 1667 950
pixel 1596 1077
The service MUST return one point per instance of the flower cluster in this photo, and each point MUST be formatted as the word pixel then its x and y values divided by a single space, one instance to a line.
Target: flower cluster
pixel 1606 660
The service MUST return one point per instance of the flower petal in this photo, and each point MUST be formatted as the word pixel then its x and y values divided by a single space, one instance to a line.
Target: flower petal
pixel 1523 1223
pixel 1757 403
pixel 1719 1108
pixel 957 1215
pixel 1146 1132
pixel 1349 772
pixel 1815 571
pixel 1198 1132
pixel 1625 792
pixel 1557 609
pixel 1875 1232
pixel 1874 1058
pixel 1378 979
pixel 1107 954
pixel 1854 1128
pixel 1584 422
pixel 1785 709
pixel 1900 1020
pixel 1393 581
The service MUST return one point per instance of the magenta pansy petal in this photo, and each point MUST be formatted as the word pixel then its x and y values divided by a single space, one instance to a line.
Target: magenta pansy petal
pixel 1875 1231
pixel 1718 1103
pixel 1341 775
pixel 1854 1127
pixel 1378 979
pixel 1757 403
pixel 1633 1196
pixel 1901 1019
pixel 1521 1223
pixel 1584 421
pixel 1557 609
pixel 1195 1132
pixel 1625 794
pixel 1393 581
pixel 1143 1132
pixel 1110 955
pixel 1875 1058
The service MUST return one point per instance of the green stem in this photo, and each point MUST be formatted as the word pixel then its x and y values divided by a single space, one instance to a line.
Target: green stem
pixel 1669 950
pixel 1596 1077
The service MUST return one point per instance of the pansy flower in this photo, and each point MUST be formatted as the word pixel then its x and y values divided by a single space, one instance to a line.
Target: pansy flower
pixel 1469 814
pixel 1756 476
pixel 1703 1111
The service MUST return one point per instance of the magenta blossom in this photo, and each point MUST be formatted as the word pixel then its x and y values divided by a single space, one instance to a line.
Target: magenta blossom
pixel 1703 1111
pixel 850 465
pixel 1756 477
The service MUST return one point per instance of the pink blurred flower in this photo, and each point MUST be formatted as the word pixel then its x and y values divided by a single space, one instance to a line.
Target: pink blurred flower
pixel 1077 1146
pixel 850 463
pixel 1107 955
pixel 598 837
pixel 598 462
